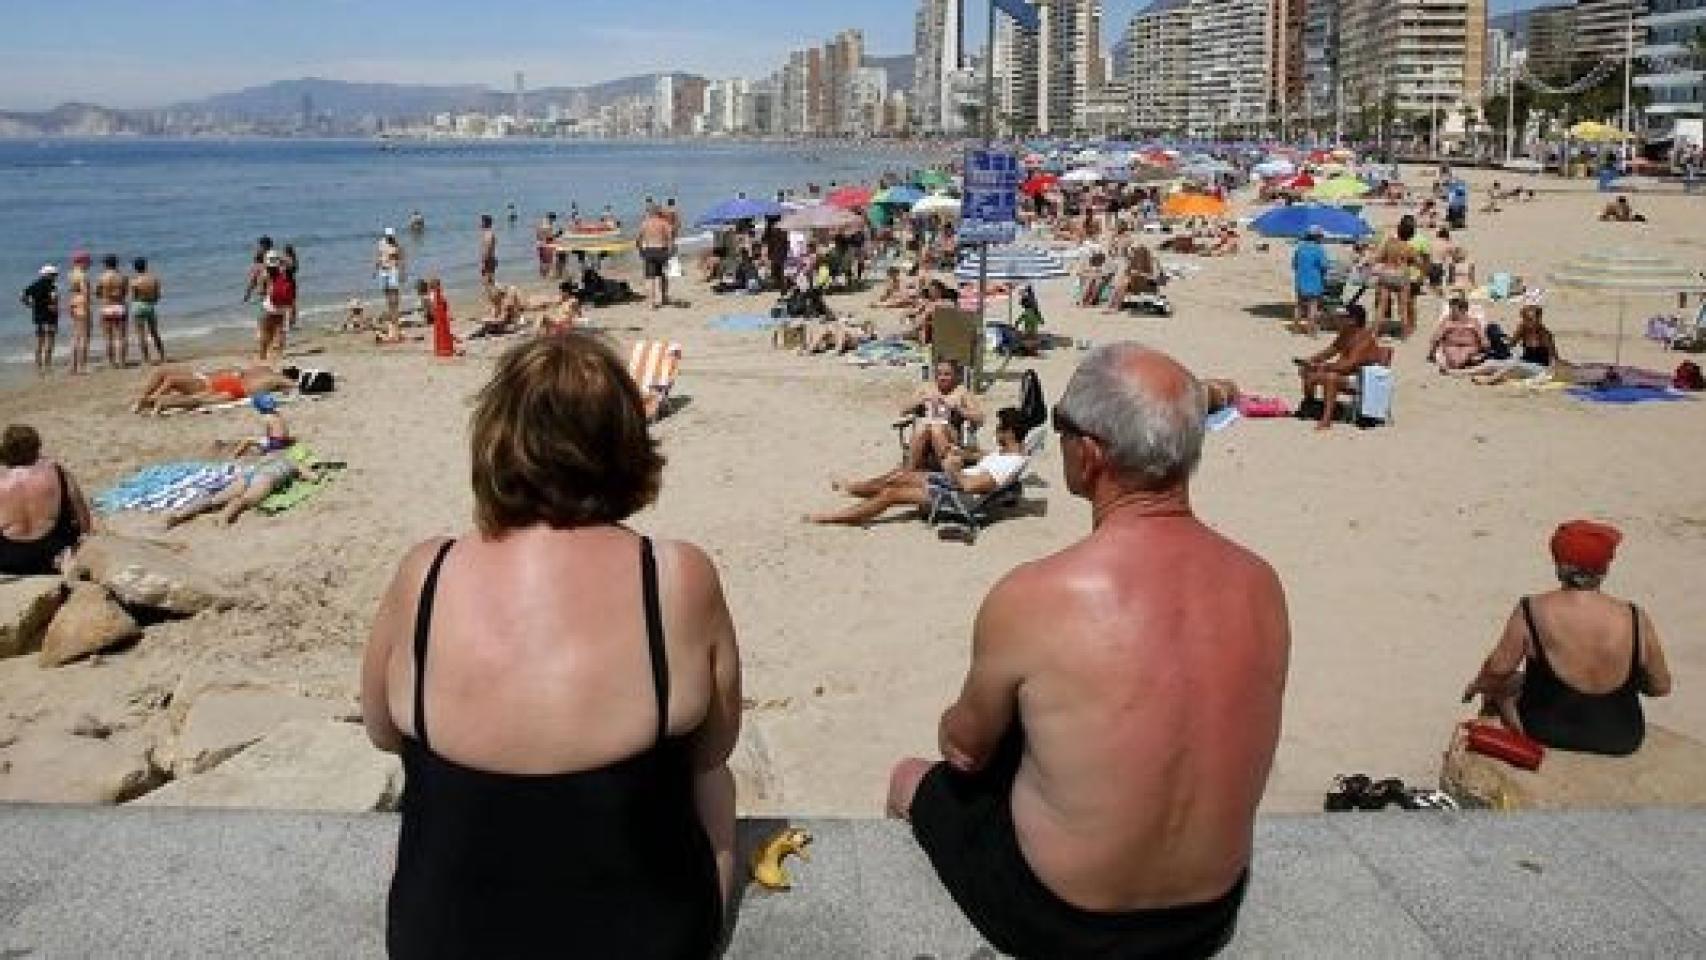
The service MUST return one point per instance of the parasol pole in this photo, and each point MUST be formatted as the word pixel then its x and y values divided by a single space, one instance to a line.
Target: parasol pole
pixel 983 248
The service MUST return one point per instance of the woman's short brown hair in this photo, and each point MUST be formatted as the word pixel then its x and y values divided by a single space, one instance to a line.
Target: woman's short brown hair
pixel 560 437
pixel 20 446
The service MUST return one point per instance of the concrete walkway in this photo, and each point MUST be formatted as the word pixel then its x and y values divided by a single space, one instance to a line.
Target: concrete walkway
pixel 159 882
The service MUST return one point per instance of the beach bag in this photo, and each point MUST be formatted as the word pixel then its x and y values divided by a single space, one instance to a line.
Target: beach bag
pixel 1033 406
pixel 311 382
pixel 1689 377
pixel 672 269
pixel 1517 749
pixel 1263 408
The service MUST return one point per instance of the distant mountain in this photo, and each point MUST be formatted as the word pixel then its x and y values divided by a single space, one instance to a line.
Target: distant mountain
pixel 75 120
pixel 899 69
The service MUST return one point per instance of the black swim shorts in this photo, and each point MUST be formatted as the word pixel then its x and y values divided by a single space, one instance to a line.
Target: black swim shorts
pixel 657 261
pixel 965 825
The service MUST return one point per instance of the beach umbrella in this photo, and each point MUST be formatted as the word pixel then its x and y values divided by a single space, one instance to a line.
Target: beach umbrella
pixel 932 179
pixel 741 208
pixel 1193 205
pixel 1083 175
pixel 1590 131
pixel 1274 168
pixel 820 217
pixel 1038 184
pixel 1302 181
pixel 1339 188
pixel 903 196
pixel 850 198
pixel 1296 221
pixel 1623 273
pixel 936 206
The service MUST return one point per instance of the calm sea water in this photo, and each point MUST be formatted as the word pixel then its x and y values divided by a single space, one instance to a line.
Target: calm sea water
pixel 194 208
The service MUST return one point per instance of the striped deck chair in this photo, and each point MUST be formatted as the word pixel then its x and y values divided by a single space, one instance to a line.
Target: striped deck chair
pixel 654 365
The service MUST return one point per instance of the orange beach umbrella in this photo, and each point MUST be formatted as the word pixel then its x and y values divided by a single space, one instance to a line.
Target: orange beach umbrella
pixel 1193 205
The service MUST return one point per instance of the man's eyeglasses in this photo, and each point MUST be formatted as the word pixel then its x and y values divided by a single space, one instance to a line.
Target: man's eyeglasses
pixel 1066 427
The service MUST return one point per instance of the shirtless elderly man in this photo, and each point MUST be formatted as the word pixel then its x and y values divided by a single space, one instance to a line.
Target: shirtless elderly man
pixel 1115 732
pixel 656 243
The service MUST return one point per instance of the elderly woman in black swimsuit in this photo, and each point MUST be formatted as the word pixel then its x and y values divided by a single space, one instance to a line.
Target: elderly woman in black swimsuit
pixel 564 691
pixel 43 513
pixel 1590 656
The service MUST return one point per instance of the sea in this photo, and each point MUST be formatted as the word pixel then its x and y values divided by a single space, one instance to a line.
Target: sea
pixel 194 208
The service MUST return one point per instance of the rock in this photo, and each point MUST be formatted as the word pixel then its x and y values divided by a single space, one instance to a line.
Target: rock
pixel 1669 770
pixel 320 765
pixel 87 725
pixel 27 606
pixel 146 575
pixel 89 622
pixel 62 768
pixel 219 722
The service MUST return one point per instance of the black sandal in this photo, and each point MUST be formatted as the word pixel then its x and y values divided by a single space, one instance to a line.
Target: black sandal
pixel 1348 793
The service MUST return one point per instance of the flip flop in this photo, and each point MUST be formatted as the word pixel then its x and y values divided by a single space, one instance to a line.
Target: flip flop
pixel 1348 793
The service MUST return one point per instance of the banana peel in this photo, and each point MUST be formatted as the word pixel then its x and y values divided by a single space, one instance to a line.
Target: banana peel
pixel 767 860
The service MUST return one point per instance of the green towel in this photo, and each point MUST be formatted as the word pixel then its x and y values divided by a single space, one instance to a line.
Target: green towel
pixel 299 490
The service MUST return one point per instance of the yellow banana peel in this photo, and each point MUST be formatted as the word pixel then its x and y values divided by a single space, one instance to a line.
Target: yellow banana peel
pixel 767 859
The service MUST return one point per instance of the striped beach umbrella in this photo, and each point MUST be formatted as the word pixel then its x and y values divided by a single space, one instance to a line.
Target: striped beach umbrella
pixel 1623 273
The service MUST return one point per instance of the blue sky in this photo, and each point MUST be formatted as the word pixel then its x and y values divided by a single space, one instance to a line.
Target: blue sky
pixel 131 55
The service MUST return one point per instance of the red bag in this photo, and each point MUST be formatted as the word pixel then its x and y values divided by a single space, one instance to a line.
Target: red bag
pixel 1501 743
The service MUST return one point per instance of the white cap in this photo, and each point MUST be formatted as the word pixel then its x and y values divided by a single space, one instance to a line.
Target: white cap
pixel 390 231
pixel 274 258
pixel 49 270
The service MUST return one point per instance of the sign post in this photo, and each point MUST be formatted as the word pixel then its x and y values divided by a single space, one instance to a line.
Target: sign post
pixel 989 214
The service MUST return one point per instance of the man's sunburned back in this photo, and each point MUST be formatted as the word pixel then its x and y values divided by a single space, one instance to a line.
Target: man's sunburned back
pixel 1154 659
pixel 112 287
pixel 146 288
pixel 655 231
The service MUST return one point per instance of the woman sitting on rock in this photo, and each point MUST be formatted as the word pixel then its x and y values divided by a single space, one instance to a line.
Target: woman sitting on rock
pixel 1590 656
pixel 43 513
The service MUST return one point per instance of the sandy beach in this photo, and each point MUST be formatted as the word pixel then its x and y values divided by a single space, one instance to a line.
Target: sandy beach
pixel 1403 548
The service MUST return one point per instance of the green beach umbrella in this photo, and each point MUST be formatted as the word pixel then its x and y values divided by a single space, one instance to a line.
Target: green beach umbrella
pixel 1339 188
pixel 933 180
pixel 1623 273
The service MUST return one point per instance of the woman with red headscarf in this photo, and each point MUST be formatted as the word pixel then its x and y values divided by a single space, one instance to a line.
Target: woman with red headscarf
pixel 1590 656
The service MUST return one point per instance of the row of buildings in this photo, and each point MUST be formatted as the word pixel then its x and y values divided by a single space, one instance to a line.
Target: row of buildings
pixel 828 91
pixel 1657 35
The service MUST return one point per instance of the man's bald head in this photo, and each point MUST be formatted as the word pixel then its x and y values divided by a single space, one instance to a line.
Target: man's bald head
pixel 1144 409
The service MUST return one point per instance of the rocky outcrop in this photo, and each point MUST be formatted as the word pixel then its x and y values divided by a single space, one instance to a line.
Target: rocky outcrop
pixel 217 723
pixel 27 606
pixel 76 768
pixel 321 765
pixel 1668 771
pixel 147 576
pixel 89 622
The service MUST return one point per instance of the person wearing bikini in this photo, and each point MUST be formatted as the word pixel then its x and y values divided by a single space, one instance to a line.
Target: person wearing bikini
pixel 112 288
pixel 79 298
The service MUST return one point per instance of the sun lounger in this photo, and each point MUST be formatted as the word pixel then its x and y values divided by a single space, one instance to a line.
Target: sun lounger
pixel 654 365
pixel 959 515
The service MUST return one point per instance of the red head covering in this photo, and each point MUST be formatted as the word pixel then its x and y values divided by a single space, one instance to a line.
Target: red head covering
pixel 1585 545
pixel 80 257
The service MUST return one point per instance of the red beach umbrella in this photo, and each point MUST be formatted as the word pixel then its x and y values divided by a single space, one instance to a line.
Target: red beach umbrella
pixel 1038 184
pixel 850 198
pixel 1302 181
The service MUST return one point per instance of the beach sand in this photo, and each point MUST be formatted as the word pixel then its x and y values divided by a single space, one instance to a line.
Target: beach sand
pixel 1403 549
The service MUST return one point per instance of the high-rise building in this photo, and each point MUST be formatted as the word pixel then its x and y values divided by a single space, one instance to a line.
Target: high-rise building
pixel 1069 63
pixel 1412 57
pixel 1672 73
pixel 1605 29
pixel 1016 82
pixel 1551 42
pixel 1229 65
pixel 663 105
pixel 844 57
pixel 689 104
pixel 1158 67
pixel 1286 57
pixel 939 54
pixel 1321 80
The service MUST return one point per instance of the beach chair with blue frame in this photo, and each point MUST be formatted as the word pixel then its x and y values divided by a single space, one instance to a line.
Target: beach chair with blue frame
pixel 958 515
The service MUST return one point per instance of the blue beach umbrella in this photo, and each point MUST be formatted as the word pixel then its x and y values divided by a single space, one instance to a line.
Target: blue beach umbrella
pixel 741 208
pixel 1295 221
pixel 903 196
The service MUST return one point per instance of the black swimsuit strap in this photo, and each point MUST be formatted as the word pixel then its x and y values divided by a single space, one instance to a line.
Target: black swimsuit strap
pixel 1533 630
pixel 1635 645
pixel 654 635
pixel 423 627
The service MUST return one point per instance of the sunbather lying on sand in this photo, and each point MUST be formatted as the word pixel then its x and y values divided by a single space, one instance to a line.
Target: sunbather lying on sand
pixel 1619 211
pixel 901 488
pixel 252 485
pixel 179 388
pixel 275 433
pixel 838 336
pixel 898 291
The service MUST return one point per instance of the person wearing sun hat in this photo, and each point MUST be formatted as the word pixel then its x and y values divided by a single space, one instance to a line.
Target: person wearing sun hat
pixel 1590 656
pixel 275 436
pixel 42 297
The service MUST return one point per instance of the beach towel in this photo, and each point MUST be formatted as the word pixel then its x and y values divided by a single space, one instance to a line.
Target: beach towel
pixel 1623 396
pixel 889 352
pixel 1222 419
pixel 165 487
pixel 743 323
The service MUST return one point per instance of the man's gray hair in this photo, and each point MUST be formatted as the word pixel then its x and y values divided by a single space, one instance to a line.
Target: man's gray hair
pixel 1153 441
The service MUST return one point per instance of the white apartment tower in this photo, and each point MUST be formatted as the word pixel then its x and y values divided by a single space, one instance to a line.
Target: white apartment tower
pixel 1158 67
pixel 1419 56
pixel 1231 50
pixel 1069 63
pixel 1016 84
pixel 940 54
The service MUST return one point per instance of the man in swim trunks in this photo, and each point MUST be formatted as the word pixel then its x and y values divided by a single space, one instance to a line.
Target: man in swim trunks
pixel 388 265
pixel 488 254
pixel 145 310
pixel 1104 761
pixel 112 288
pixel 657 244
pixel 1326 374
pixel 42 297
pixel 545 237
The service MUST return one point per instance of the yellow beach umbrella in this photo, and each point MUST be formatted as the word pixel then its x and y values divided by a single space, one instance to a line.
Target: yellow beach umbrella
pixel 1339 188
pixel 1592 131
pixel 1193 205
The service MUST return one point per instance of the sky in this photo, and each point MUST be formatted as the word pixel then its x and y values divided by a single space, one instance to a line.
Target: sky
pixel 144 55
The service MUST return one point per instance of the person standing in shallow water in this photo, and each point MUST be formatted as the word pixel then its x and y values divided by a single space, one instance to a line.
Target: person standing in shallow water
pixel 1105 758
pixel 79 305
pixel 42 297
pixel 145 310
